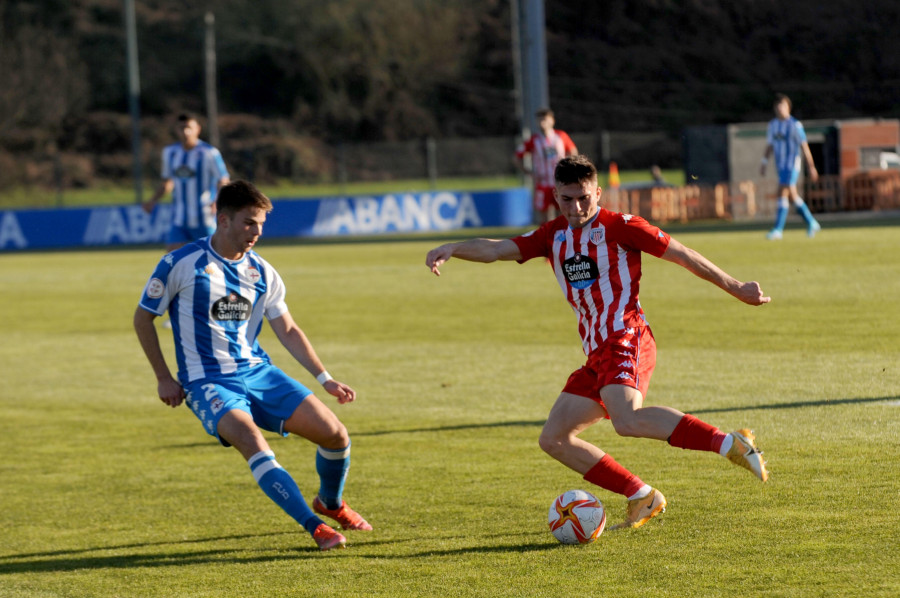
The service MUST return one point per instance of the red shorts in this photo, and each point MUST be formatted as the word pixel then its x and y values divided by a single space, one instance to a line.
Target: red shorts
pixel 626 358
pixel 544 199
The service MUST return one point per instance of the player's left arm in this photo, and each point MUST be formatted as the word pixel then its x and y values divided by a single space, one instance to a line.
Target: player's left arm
pixel 748 292
pixel 813 173
pixel 298 345
pixel 568 144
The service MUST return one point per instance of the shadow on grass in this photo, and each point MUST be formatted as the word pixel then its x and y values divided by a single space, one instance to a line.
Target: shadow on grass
pixel 799 404
pixel 452 428
pixel 73 560
pixel 539 423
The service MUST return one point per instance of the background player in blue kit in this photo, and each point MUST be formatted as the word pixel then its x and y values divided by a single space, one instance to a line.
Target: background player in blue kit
pixel 192 171
pixel 786 140
pixel 217 291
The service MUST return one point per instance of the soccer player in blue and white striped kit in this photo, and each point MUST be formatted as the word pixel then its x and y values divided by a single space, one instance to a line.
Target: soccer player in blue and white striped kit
pixel 192 171
pixel 786 140
pixel 218 291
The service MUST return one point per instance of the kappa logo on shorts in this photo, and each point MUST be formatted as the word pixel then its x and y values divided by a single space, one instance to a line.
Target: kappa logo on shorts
pixel 581 271
pixel 232 308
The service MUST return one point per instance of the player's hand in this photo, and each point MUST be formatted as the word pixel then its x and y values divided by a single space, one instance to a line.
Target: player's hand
pixel 339 390
pixel 170 392
pixel 148 206
pixel 438 257
pixel 751 294
pixel 813 174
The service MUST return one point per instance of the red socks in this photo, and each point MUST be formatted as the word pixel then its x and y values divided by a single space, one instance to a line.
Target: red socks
pixel 696 435
pixel 611 476
pixel 690 433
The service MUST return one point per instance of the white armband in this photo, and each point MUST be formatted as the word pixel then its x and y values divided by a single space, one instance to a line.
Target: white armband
pixel 323 377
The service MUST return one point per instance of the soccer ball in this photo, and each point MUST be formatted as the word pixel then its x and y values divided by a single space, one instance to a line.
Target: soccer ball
pixel 576 517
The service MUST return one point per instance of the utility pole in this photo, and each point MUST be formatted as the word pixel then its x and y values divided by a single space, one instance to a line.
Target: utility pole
pixel 134 98
pixel 516 42
pixel 535 86
pixel 212 103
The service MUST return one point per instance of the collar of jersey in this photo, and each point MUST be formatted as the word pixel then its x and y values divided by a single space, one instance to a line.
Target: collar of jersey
pixel 224 260
pixel 589 222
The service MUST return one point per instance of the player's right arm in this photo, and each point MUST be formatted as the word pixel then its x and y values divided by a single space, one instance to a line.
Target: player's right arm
pixel 165 187
pixel 170 391
pixel 473 250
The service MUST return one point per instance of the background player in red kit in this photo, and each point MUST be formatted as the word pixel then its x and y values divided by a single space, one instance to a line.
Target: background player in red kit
pixel 546 148
pixel 596 257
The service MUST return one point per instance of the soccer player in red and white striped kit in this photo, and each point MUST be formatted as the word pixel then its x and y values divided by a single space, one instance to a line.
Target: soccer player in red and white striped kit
pixel 596 257
pixel 546 148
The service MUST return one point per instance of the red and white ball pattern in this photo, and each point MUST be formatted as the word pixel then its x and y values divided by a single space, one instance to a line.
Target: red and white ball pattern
pixel 576 517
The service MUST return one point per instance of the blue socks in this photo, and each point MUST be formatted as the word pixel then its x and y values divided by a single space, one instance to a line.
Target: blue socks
pixel 803 210
pixel 782 212
pixel 781 215
pixel 332 466
pixel 279 486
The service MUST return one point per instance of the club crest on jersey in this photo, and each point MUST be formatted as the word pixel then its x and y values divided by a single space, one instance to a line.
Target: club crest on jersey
pixel 155 288
pixel 581 271
pixel 253 275
pixel 184 172
pixel 231 308
pixel 597 236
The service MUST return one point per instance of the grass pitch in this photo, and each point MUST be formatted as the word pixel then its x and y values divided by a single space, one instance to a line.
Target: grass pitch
pixel 106 492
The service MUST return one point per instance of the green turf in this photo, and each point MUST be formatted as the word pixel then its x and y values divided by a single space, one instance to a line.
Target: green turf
pixel 106 492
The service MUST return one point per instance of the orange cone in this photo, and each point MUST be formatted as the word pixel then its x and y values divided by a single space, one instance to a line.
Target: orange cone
pixel 614 175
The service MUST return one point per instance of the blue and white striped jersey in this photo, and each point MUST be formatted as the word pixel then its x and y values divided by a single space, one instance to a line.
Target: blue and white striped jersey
pixel 786 137
pixel 216 307
pixel 196 173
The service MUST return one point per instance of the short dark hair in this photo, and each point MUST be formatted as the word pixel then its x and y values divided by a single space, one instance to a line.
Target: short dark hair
pixel 184 117
pixel 780 97
pixel 543 112
pixel 237 195
pixel 574 169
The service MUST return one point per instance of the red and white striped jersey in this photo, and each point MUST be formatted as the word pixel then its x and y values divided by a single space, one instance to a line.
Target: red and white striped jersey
pixel 598 268
pixel 545 153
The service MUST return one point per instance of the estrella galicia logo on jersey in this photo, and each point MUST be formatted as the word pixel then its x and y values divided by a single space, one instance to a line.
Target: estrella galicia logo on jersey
pixel 232 308
pixel 581 271
pixel 184 172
